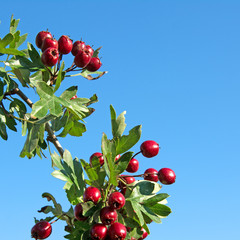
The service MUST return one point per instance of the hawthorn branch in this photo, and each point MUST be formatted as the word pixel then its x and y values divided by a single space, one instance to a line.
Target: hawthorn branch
pixel 51 136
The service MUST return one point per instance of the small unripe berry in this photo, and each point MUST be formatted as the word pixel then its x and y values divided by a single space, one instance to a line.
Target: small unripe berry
pixel 166 176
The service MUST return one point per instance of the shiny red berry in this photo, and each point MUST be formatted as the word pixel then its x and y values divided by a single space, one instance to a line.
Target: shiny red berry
pixel 94 64
pixel 133 166
pixel 89 49
pixel 117 157
pixel 91 194
pixel 100 157
pixel 166 176
pixel 41 36
pixel 78 212
pixel 108 215
pixel 50 57
pixel 151 174
pixel 64 44
pixel 77 46
pixel 98 231
pixel 49 42
pixel 149 148
pixel 144 235
pixel 117 231
pixel 116 200
pixel 41 230
pixel 82 59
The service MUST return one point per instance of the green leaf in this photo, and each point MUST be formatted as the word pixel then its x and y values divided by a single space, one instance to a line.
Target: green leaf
pixel 125 142
pixel 109 153
pixel 60 77
pixel 34 56
pixel 69 93
pixel 160 209
pixel 123 162
pixel 155 199
pixel 22 75
pixel 44 91
pixel 150 214
pixel 13 25
pixel 6 40
pixel 3 131
pixel 56 161
pixel 54 107
pixel 1 90
pixel 118 125
pixel 57 210
pixel 40 108
pixel 11 51
pixel 91 173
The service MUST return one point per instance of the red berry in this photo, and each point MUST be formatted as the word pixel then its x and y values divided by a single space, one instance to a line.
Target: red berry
pixel 149 148
pixel 116 200
pixel 82 59
pixel 49 42
pixel 117 157
pixel 94 64
pixel 78 210
pixel 41 36
pixel 89 49
pixel 64 44
pixel 166 176
pixel 144 235
pixel 151 174
pixel 91 194
pixel 74 97
pixel 77 46
pixel 98 231
pixel 108 215
pixel 41 230
pixel 117 231
pixel 50 57
pixel 133 166
pixel 100 157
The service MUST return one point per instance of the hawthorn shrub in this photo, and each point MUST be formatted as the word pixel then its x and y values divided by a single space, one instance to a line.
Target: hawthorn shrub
pixel 108 204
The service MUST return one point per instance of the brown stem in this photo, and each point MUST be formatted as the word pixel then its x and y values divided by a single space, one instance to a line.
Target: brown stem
pixel 51 136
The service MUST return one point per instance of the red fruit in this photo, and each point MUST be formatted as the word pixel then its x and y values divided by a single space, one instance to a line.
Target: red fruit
pixel 127 179
pixel 116 200
pixel 49 42
pixel 64 44
pixel 77 46
pixel 94 64
pixel 108 215
pixel 50 57
pixel 149 148
pixel 89 49
pixel 41 230
pixel 151 174
pixel 91 194
pixel 133 166
pixel 144 235
pixel 78 210
pixel 117 231
pixel 166 176
pixel 98 231
pixel 117 157
pixel 74 97
pixel 82 59
pixel 100 157
pixel 41 36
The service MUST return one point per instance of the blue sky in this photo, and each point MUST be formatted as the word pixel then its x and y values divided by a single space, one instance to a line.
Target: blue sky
pixel 174 67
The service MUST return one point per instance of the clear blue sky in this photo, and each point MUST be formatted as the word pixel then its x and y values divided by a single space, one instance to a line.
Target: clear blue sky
pixel 174 66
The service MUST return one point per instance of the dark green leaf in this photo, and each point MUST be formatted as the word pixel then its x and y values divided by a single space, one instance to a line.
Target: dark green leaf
pixel 34 56
pixel 6 40
pixel 69 93
pixel 60 77
pixel 155 199
pixel 123 162
pixel 160 209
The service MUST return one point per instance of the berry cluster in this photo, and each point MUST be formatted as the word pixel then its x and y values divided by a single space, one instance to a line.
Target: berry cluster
pixel 52 51
pixel 108 227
